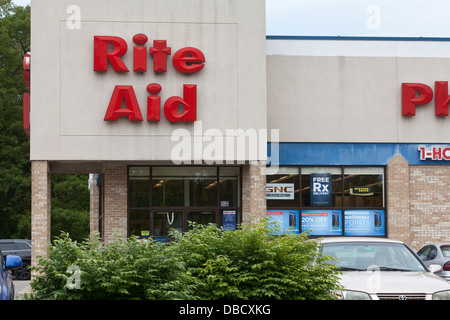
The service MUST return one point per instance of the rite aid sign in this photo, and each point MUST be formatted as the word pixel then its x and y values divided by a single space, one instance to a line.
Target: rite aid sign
pixel 108 53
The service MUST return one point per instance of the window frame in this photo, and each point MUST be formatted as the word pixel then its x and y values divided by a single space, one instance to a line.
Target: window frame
pixel 151 210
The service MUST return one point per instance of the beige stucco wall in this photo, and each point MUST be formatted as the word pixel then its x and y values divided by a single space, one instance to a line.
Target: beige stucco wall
pixel 69 100
pixel 314 97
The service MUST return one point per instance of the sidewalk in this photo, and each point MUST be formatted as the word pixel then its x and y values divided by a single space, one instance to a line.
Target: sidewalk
pixel 22 287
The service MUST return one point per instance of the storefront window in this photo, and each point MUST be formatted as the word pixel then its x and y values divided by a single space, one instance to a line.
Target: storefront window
pixel 138 186
pixel 283 187
pixel 363 187
pixel 139 223
pixel 184 186
pixel 166 221
pixel 162 198
pixel 201 217
pixel 331 201
pixel 229 186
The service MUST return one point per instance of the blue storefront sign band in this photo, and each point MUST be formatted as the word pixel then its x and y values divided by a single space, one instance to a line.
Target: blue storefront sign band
pixel 320 154
pixel 330 222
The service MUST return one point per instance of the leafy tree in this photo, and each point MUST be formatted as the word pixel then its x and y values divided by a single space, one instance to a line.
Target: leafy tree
pixel 15 177
pixel 70 203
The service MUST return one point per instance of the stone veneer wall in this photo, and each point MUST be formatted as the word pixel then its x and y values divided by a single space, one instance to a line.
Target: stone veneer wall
pixel 40 210
pixel 418 202
pixel 115 202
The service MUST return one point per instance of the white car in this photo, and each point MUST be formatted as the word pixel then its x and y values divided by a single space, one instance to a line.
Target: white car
pixel 383 269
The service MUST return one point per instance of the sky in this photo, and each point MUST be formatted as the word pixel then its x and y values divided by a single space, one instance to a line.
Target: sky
pixel 385 18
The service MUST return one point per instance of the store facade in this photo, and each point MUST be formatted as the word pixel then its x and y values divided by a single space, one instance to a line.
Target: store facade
pixel 186 112
pixel 163 103
pixel 364 142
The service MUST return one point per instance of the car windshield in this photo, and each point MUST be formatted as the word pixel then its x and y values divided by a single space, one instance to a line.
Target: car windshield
pixel 445 251
pixel 361 256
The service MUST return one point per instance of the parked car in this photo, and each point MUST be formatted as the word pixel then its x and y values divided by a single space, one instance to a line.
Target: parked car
pixel 21 248
pixel 8 263
pixel 383 269
pixel 437 253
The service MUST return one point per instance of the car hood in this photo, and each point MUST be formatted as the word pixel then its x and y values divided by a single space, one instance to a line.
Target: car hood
pixel 393 282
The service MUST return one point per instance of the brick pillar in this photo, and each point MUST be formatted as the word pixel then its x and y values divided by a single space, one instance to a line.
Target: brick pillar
pixel 398 216
pixel 40 210
pixel 115 198
pixel 254 192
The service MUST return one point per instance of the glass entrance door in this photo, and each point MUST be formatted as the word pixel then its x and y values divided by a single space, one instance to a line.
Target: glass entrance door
pixel 164 221
pixel 203 217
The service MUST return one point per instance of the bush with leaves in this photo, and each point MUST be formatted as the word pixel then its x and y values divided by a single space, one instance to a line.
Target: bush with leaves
pixel 253 264
pixel 122 270
pixel 206 263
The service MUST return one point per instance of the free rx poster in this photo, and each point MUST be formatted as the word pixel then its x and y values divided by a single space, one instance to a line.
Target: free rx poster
pixel 320 189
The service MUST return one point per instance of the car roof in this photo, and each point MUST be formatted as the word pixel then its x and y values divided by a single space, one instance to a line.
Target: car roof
pixel 437 244
pixel 359 239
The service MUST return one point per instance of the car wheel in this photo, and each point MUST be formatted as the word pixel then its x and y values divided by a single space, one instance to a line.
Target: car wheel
pixel 23 273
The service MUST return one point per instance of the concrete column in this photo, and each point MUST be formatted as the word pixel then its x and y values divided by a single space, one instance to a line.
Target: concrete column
pixel 254 192
pixel 40 210
pixel 398 204
pixel 115 198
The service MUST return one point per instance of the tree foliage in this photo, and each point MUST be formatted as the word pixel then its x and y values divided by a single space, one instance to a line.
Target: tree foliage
pixel 70 203
pixel 15 177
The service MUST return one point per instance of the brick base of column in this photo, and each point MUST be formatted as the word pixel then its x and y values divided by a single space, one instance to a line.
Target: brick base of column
pixel 254 192
pixel 115 202
pixel 399 225
pixel 40 210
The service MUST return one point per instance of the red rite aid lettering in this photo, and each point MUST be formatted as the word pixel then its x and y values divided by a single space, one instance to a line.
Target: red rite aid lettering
pixel 108 52
pixel 414 94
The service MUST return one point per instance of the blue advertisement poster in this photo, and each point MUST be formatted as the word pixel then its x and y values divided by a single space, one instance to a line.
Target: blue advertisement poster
pixel 320 189
pixel 322 222
pixel 364 223
pixel 288 220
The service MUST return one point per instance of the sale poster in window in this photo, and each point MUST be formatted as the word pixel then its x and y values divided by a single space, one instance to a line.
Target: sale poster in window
pixel 287 220
pixel 322 222
pixel 365 223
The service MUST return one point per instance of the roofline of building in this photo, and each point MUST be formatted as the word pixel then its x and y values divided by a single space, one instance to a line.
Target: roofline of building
pixel 355 38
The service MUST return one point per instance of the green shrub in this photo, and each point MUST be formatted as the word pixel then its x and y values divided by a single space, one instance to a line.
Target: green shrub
pixel 253 264
pixel 204 263
pixel 124 269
